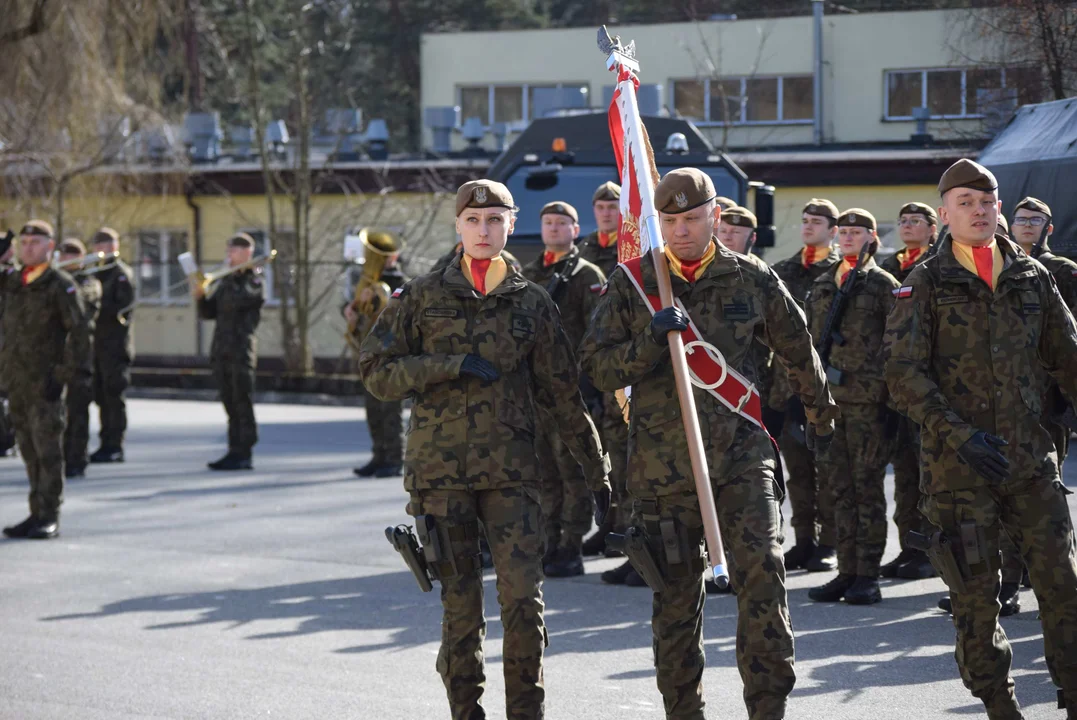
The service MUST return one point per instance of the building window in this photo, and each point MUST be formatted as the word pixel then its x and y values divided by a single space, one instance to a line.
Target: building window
pixel 516 103
pixel 160 279
pixel 956 93
pixel 746 100
pixel 280 274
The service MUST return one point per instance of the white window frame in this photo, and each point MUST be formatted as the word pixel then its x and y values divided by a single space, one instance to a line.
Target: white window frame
pixel 525 88
pixel 164 298
pixel 965 115
pixel 742 120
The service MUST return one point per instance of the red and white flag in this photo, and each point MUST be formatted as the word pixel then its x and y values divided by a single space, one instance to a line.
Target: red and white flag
pixel 631 243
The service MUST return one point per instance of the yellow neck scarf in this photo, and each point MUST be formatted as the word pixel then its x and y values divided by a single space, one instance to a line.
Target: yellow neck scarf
pixel 694 268
pixel 966 255
pixel 495 274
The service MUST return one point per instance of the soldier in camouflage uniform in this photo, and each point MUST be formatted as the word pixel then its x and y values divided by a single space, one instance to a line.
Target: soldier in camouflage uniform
pixel 813 511
pixel 114 349
pixel 237 308
pixel 918 228
pixel 976 335
pixel 383 419
pixel 853 469
pixel 734 300
pixel 47 347
pixel 481 351
pixel 80 389
pixel 573 284
pixel 7 430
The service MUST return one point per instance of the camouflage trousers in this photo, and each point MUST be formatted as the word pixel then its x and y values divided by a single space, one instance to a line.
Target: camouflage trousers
pixel 566 501
pixel 77 430
pixel 386 431
pixel 110 382
pixel 7 427
pixel 852 472
pixel 235 383
pixel 749 514
pixel 512 522
pixel 614 432
pixel 906 462
pixel 1035 515
pixel 39 429
pixel 813 510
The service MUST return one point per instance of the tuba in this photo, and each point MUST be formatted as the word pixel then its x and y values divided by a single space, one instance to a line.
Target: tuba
pixel 379 246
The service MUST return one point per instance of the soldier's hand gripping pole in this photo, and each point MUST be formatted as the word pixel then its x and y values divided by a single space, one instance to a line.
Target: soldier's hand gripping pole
pixel 404 542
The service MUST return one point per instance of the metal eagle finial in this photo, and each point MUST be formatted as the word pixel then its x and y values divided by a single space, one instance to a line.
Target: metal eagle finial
pixel 611 46
pixel 607 44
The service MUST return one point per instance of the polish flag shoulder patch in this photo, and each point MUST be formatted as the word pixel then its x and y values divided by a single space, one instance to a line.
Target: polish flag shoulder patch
pixel 398 292
pixel 903 292
pixel 70 289
pixel 598 288
pixel 1073 273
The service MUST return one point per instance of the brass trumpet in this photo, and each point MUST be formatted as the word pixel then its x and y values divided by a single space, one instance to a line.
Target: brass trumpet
pixel 211 282
pixel 89 263
pixel 379 246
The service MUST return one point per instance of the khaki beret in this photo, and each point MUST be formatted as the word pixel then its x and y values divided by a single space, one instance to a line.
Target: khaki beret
pixel 725 203
pixel 857 217
pixel 242 240
pixel 560 208
pixel 822 208
pixel 37 227
pixel 1031 203
pixel 483 194
pixel 741 217
pixel 682 190
pixel 105 235
pixel 607 191
pixel 72 246
pixel 917 208
pixel 967 174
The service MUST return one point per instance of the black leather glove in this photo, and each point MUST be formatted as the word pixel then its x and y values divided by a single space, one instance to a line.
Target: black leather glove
pixel 815 442
pixel 602 504
pixel 773 421
pixel 666 321
pixel 54 389
pixel 476 366
pixel 981 452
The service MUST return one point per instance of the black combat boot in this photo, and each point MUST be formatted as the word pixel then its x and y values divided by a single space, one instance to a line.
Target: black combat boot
pixel 75 471
pixel 945 605
pixel 918 567
pixel 800 554
pixel 569 559
pixel 834 590
pixel 825 559
pixel 619 574
pixel 44 529
pixel 389 470
pixel 232 461
pixel 22 529
pixel 634 579
pixel 596 544
pixel 1009 598
pixel 890 569
pixel 107 454
pixel 369 469
pixel 865 591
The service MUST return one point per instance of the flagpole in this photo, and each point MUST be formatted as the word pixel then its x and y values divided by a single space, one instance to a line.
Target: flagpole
pixel 617 60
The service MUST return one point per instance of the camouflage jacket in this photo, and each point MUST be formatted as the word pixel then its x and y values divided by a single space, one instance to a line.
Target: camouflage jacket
pixel 892 264
pixel 961 359
pixel 575 296
pixel 446 260
pixel 736 302
pixel 604 257
pixel 237 308
pixel 91 291
pixel 112 339
pixel 862 326
pixel 798 280
pixel 1064 271
pixel 45 330
pixel 465 433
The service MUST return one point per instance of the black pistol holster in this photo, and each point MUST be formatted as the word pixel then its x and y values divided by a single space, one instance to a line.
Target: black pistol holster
pixel 941 552
pixel 404 542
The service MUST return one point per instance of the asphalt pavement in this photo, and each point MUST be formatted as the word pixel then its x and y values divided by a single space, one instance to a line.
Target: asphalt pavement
pixel 175 592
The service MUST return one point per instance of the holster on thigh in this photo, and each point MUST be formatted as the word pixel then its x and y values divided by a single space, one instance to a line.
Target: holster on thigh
pixel 678 548
pixel 451 549
pixel 967 543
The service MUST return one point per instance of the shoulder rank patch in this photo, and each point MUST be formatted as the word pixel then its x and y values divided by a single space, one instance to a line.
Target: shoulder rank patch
pixel 398 292
pixel 598 288
pixel 903 292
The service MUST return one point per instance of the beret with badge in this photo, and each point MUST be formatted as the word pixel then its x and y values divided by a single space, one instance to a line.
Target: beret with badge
pixel 967 174
pixel 105 235
pixel 37 227
pixel 857 217
pixel 918 208
pixel 560 208
pixel 740 217
pixel 242 240
pixel 1034 205
pixel 682 190
pixel 821 208
pixel 72 246
pixel 724 203
pixel 483 194
pixel 607 191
